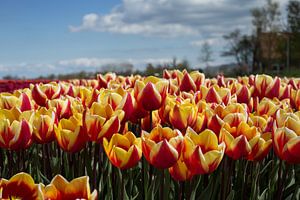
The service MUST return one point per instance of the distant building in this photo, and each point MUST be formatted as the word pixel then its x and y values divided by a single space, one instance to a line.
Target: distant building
pixel 273 51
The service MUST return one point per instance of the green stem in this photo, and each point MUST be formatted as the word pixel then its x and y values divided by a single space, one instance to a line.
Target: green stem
pixel 162 184
pixel 181 190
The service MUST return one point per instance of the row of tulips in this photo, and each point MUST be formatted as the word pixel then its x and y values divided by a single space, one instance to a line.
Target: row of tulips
pixel 208 134
pixel 12 85
pixel 22 186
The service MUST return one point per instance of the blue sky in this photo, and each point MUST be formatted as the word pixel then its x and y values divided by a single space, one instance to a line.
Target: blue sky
pixel 43 37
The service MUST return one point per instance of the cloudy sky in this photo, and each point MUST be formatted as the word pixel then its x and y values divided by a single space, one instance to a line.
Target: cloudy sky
pixel 42 37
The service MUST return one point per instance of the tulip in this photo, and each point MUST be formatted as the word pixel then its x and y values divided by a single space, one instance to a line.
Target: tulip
pixel 101 121
pixel 61 189
pixel 20 186
pixel 151 93
pixel 266 86
pixel 287 140
pixel 295 99
pixel 70 133
pixel 109 97
pixel 162 146
pixel 187 83
pixel 123 151
pixel 266 107
pixel 42 92
pixel 180 171
pixel 8 101
pixel 238 136
pixel 127 105
pixel 88 96
pixel 243 94
pixel 104 80
pixel 62 107
pixel 43 125
pixel 182 115
pixel 15 129
pixel 201 152
pixel 216 94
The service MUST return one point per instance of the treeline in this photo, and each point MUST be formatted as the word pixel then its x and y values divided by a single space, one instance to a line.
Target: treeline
pixel 274 44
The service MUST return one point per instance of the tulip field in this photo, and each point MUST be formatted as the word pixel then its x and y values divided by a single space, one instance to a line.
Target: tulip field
pixel 182 136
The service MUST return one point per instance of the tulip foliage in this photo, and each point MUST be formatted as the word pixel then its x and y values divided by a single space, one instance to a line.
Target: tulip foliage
pixel 182 136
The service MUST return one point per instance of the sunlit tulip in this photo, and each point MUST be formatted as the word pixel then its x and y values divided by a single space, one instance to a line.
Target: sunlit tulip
pixel 15 129
pixel 61 189
pixel 266 107
pixel 104 80
pixel 43 125
pixel 182 115
pixel 287 140
pixel 8 101
pixel 62 107
pixel 43 92
pixel 201 152
pixel 216 94
pixel 151 93
pixel 108 97
pixel 187 83
pixel 266 86
pixel 127 105
pixel 238 136
pixel 123 151
pixel 243 94
pixel 295 99
pixel 102 121
pixel 71 134
pixel 88 96
pixel 20 186
pixel 180 171
pixel 162 146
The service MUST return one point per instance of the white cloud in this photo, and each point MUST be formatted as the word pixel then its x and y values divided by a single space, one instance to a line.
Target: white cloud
pixel 210 41
pixel 101 62
pixel 170 18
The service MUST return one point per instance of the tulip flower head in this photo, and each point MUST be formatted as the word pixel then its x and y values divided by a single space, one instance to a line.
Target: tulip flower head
pixel 20 186
pixel 162 146
pixel 287 140
pixel 43 92
pixel 70 133
pixel 15 129
pixel 61 189
pixel 201 152
pixel 151 93
pixel 124 151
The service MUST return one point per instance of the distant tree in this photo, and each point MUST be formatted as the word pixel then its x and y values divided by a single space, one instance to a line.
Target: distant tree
pixel 240 47
pixel 206 53
pixel 265 19
pixel 293 17
pixel 183 65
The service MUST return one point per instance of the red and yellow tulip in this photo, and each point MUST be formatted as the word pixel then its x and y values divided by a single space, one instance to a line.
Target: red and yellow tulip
pixel 287 140
pixel 71 134
pixel 151 93
pixel 201 152
pixel 20 186
pixel 43 125
pixel 61 189
pixel 102 121
pixel 15 129
pixel 43 92
pixel 123 151
pixel 162 146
